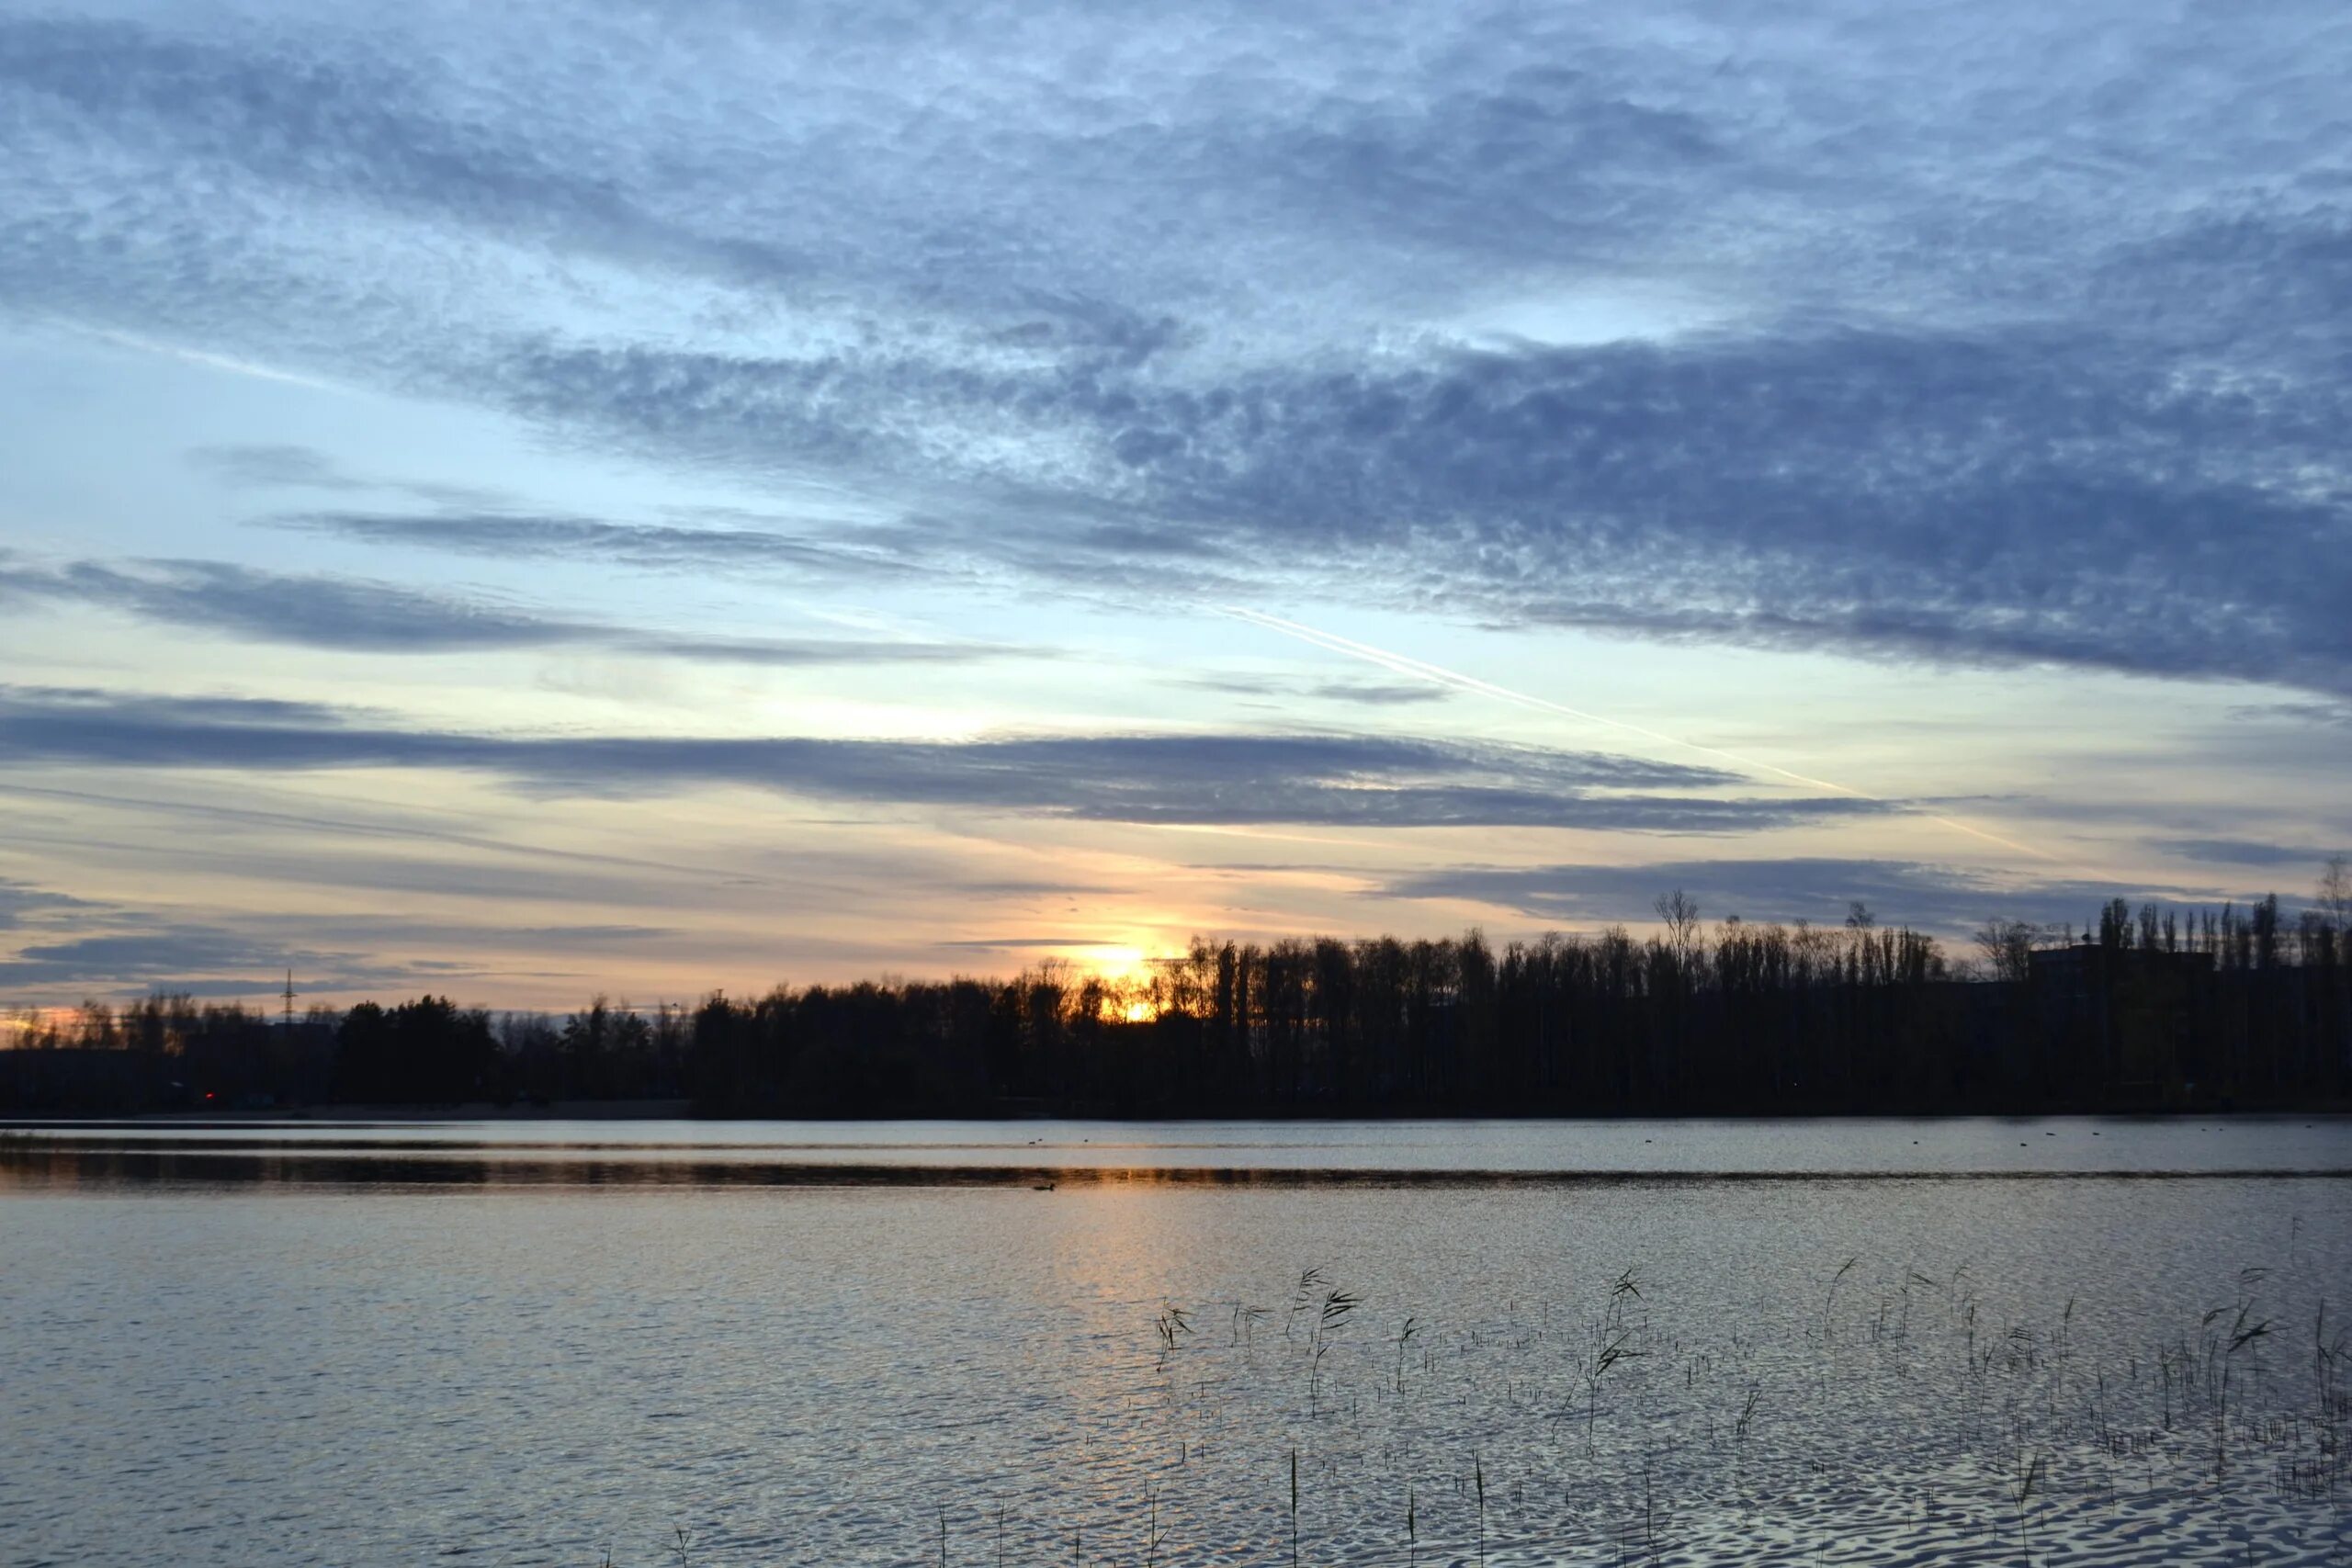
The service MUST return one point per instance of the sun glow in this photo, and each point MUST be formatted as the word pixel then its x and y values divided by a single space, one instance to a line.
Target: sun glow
pixel 1128 993
pixel 1114 961
pixel 17 1028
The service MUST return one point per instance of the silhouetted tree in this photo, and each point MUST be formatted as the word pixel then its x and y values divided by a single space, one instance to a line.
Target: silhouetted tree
pixel 2153 1007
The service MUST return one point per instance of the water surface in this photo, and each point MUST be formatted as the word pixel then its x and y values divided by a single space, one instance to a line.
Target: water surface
pixel 851 1151
pixel 1833 1343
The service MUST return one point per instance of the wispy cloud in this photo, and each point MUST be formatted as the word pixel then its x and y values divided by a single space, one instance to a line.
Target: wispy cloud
pixel 207 961
pixel 355 614
pixel 272 466
pixel 653 547
pixel 1359 781
pixel 1371 693
pixel 1025 944
pixel 18 899
pixel 2250 852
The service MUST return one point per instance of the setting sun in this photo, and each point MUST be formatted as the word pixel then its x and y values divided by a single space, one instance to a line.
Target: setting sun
pixel 905 783
pixel 1113 961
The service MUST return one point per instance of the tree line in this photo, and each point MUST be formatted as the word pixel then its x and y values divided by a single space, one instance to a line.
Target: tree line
pixel 2144 1008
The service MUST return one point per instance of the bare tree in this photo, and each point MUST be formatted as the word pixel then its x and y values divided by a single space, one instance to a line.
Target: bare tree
pixel 2335 891
pixel 1680 913
pixel 2008 947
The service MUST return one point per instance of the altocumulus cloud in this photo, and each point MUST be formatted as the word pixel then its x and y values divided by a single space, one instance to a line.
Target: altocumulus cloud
pixel 2015 334
pixel 1358 780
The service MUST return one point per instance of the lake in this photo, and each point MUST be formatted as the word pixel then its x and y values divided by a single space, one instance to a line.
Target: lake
pixel 1791 1342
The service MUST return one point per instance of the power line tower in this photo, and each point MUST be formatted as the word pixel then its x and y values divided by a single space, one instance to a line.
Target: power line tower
pixel 288 994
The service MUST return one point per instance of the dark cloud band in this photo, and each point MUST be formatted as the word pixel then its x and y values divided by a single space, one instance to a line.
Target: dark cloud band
pixel 1343 780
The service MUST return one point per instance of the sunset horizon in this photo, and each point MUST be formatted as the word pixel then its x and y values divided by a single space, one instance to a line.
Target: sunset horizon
pixel 1353 784
pixel 888 493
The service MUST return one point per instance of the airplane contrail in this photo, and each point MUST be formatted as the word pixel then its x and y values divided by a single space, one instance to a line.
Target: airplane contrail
pixel 1405 664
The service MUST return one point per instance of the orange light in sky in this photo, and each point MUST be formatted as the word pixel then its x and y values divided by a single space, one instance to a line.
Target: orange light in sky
pixel 15 1026
pixel 1115 961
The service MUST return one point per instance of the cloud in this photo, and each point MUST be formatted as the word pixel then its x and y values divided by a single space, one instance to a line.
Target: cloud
pixel 1968 335
pixel 283 845
pixel 2007 335
pixel 187 951
pixel 272 466
pixel 794 652
pixel 204 961
pixel 312 611
pixel 2329 715
pixel 2247 851
pixel 136 708
pixel 1018 943
pixel 1986 498
pixel 19 899
pixel 1371 693
pixel 1352 780
pixel 78 946
pixel 1380 694
pixel 1029 888
pixel 116 949
pixel 1929 897
pixel 353 614
pixel 359 126
pixel 651 547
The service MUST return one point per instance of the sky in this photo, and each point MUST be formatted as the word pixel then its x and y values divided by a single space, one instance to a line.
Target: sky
pixel 528 501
